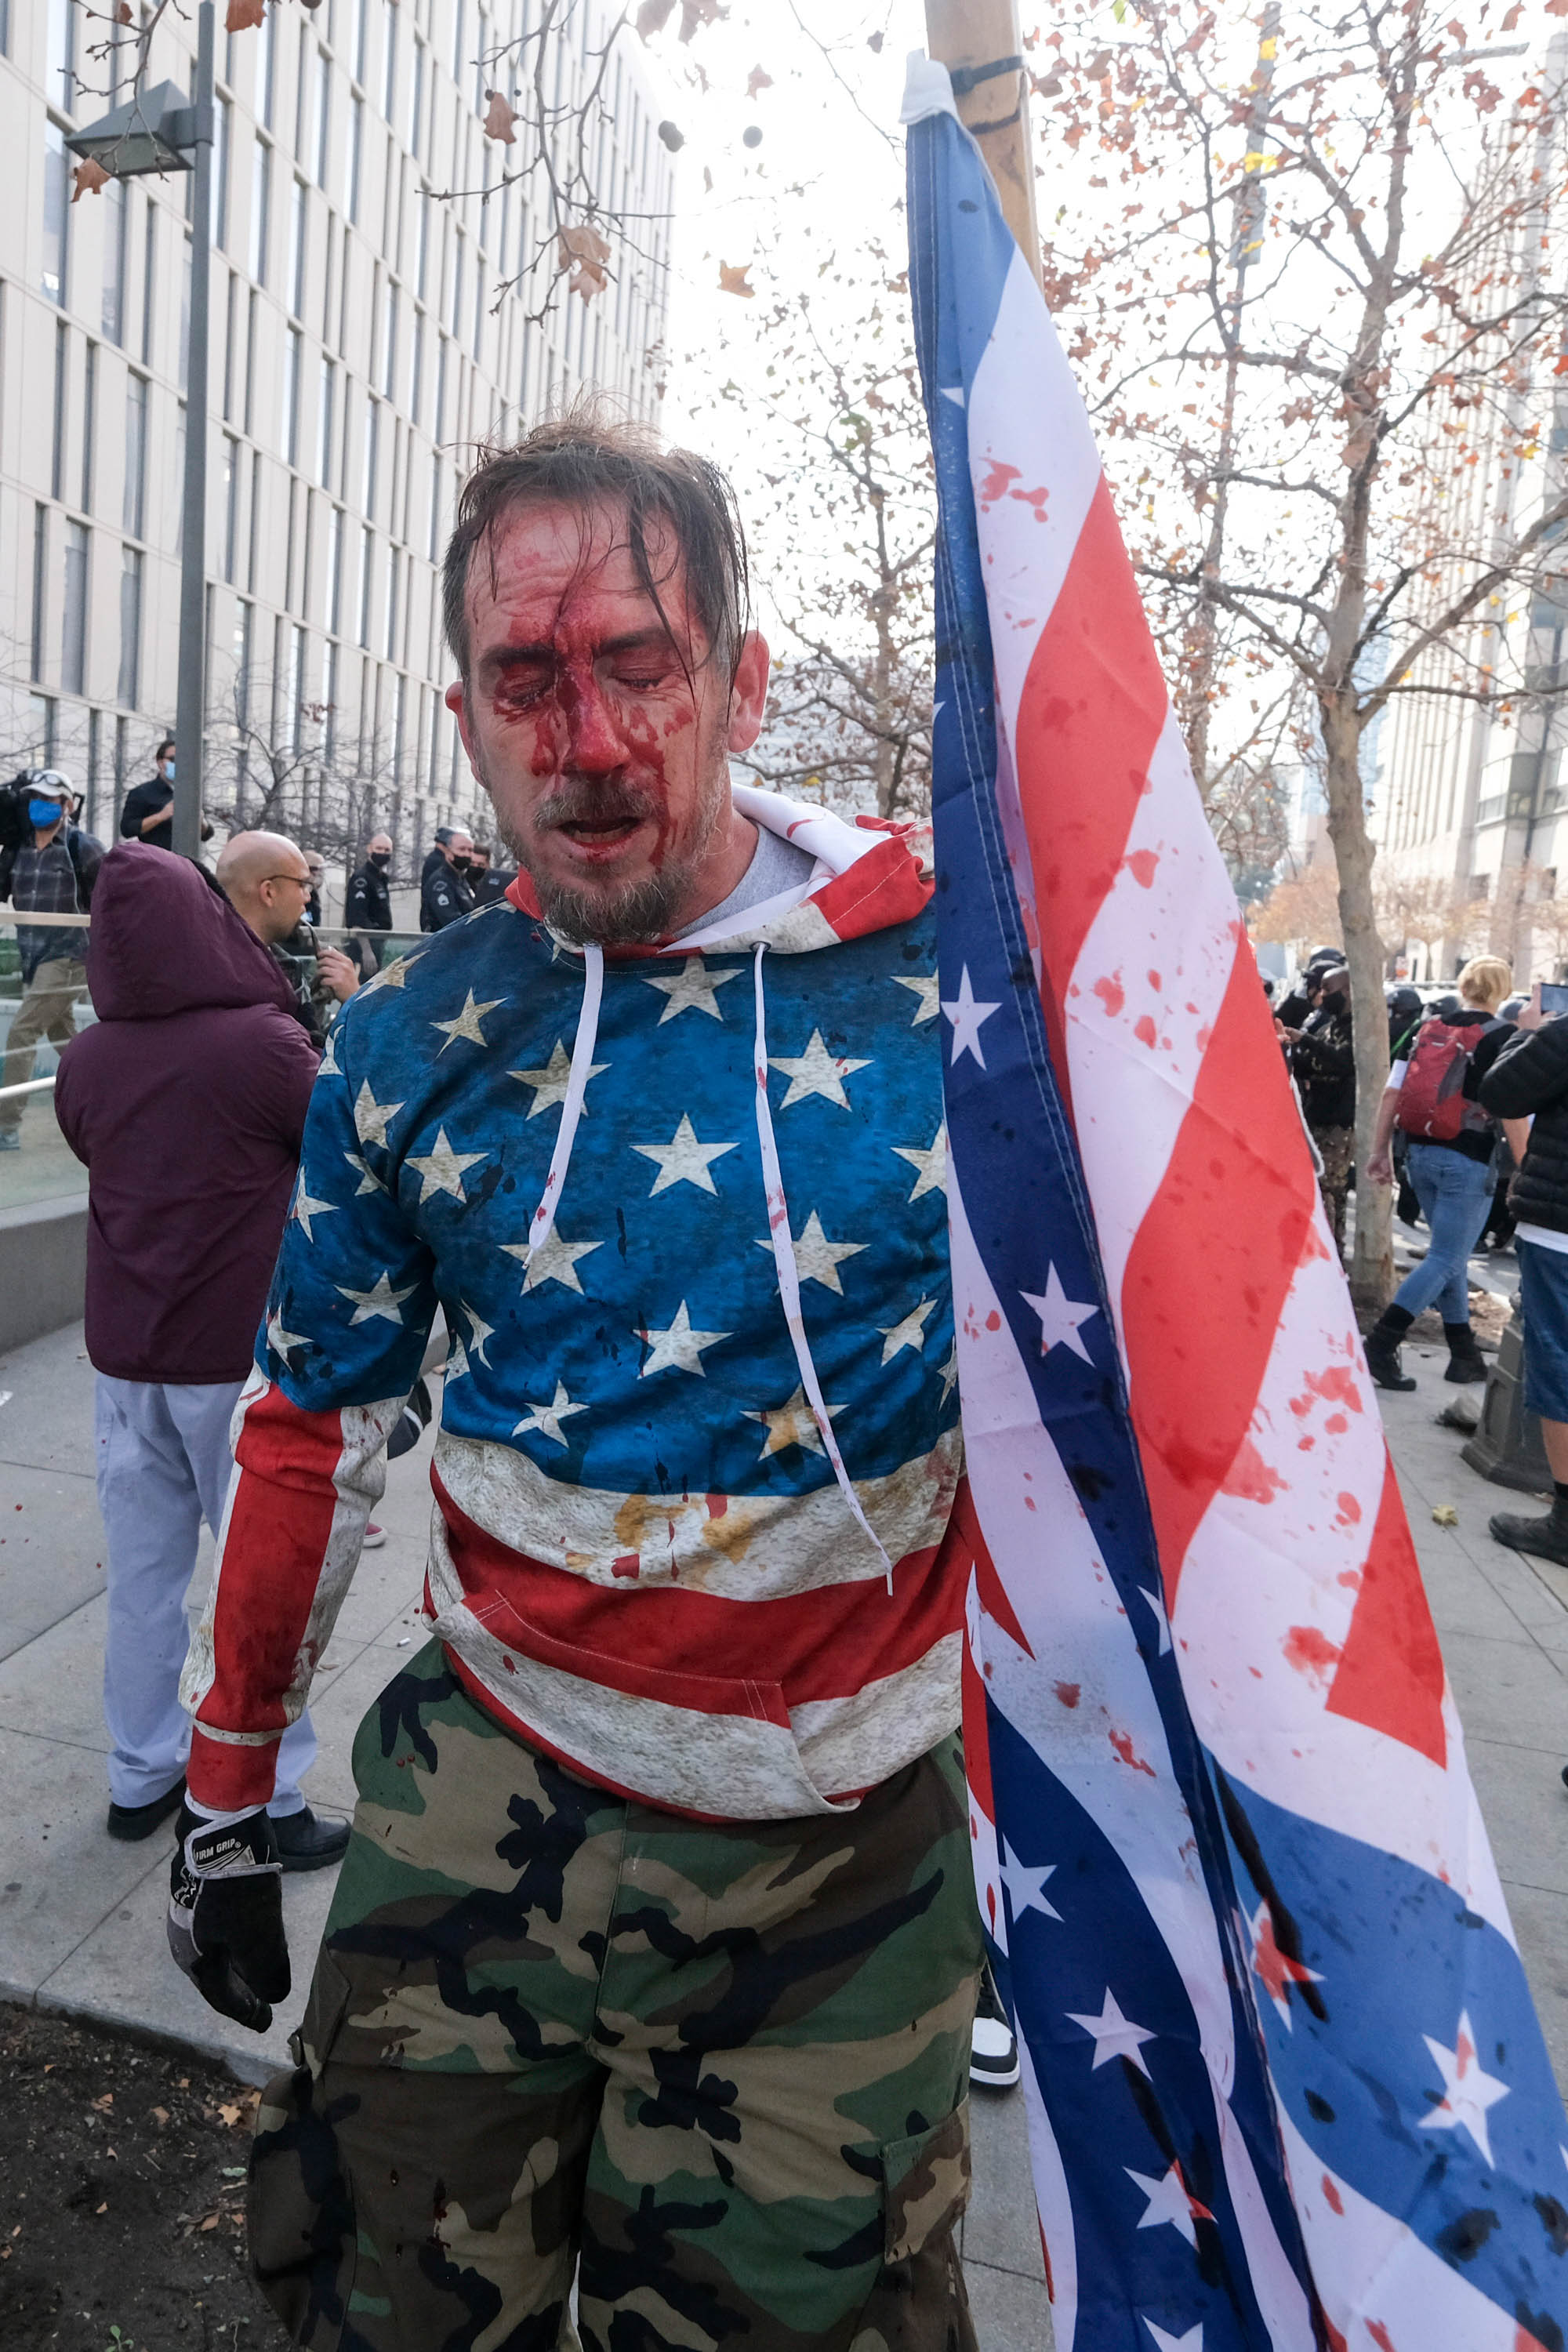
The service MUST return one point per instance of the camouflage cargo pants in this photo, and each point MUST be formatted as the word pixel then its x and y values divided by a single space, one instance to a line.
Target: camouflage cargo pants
pixel 721 2068
pixel 1336 1148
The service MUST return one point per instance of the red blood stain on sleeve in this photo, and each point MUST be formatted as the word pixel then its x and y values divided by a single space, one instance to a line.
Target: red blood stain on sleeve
pixel 995 484
pixel 1350 1509
pixel 1145 1032
pixel 1122 1743
pixel 1309 1652
pixel 1250 1478
pixel 1111 994
pixel 1141 864
pixel 1331 2193
pixel 1069 1692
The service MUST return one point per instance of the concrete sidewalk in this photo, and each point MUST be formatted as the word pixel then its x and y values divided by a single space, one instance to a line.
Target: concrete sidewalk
pixel 81 1917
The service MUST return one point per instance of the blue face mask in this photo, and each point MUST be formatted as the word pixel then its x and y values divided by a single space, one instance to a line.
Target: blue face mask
pixel 168 772
pixel 43 814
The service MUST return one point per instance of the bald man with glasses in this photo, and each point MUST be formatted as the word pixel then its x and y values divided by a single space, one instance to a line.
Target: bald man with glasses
pixel 267 881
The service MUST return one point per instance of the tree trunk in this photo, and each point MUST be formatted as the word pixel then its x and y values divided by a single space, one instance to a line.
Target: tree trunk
pixel 1372 1263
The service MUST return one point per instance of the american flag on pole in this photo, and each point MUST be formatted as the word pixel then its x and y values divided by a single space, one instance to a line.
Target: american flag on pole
pixel 1286 2085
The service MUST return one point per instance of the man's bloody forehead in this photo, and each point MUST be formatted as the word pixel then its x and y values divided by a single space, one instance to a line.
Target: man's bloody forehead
pixel 539 599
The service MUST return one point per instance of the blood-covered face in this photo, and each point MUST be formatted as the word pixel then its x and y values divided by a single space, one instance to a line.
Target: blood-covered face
pixel 602 728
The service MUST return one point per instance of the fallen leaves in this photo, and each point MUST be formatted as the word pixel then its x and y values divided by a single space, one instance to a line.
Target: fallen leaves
pixel 758 78
pixel 160 2117
pixel 654 15
pixel 732 279
pixel 89 177
pixel 101 2106
pixel 585 252
pixel 498 119
pixel 241 15
pixel 1443 1515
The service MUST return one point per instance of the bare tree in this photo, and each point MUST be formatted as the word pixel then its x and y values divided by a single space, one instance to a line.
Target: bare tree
pixel 1394 332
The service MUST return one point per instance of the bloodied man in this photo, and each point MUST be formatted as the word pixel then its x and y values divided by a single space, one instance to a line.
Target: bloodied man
pixel 653 1960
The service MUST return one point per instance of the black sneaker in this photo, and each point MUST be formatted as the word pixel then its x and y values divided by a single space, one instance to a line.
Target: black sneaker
pixel 306 1844
pixel 1546 1538
pixel 993 2045
pixel 131 1824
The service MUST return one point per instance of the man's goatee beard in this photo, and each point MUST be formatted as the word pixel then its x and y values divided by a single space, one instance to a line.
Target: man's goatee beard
pixel 620 914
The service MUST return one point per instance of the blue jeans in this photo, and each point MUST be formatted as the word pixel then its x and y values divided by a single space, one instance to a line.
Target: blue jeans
pixel 1454 1192
pixel 164 1465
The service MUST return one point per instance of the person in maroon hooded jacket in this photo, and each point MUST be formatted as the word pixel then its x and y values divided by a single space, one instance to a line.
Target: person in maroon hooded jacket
pixel 186 1103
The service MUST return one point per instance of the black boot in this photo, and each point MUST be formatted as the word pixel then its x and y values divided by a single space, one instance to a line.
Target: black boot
pixel 1382 1344
pixel 1547 1538
pixel 1466 1361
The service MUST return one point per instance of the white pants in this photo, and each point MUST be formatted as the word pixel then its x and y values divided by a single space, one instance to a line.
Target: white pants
pixel 164 1465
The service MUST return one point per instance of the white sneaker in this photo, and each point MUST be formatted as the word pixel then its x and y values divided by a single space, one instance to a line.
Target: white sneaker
pixel 373 1538
pixel 992 2046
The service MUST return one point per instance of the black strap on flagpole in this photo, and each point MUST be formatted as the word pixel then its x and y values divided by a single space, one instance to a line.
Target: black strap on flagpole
pixel 967 78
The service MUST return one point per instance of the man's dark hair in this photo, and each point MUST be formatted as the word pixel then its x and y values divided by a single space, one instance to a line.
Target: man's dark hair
pixel 592 457
pixel 166 744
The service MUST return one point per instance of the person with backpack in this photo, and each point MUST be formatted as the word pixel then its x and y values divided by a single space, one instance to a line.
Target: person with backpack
pixel 1434 1096
pixel 47 866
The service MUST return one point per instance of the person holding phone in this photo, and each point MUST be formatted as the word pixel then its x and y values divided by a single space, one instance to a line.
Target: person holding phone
pixel 1527 1087
pixel 1432 1095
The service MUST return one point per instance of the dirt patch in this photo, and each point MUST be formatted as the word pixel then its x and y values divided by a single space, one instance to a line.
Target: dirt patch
pixel 121 2197
pixel 1489 1317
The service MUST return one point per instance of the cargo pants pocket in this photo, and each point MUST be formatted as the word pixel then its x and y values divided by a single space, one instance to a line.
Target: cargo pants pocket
pixel 299 2204
pixel 917 2303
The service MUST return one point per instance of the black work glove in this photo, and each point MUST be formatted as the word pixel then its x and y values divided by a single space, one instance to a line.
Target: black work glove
pixel 225 1914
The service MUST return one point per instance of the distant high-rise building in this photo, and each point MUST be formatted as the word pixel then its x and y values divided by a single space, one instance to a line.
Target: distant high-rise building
pixel 358 353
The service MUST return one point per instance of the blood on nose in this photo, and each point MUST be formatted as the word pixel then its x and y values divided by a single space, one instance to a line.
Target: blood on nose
pixel 594 743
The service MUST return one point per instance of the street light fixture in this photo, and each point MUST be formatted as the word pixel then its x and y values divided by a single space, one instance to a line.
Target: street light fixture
pixel 161 131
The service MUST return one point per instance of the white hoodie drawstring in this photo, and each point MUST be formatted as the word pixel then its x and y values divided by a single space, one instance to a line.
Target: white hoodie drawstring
pixel 539 1231
pixel 788 1273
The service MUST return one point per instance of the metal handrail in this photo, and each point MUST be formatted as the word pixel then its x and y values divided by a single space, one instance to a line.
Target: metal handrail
pixel 27 1087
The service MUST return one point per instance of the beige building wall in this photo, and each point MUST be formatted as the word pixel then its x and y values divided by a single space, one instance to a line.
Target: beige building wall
pixel 358 354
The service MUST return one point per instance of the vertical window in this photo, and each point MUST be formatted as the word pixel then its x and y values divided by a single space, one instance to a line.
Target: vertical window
pixel 260 205
pixel 59 57
pixel 89 424
pixel 265 62
pixel 297 230
pixel 40 585
pixel 372 456
pixel 57 442
pixel 321 144
pixel 230 507
pixel 296 689
pixel 416 95
pixel 366 544
pixel 328 703
pixel 250 316
pixel 223 114
pixel 388 57
pixel 94 766
pixel 293 353
pixel 458 43
pixel 417 376
pixel 52 280
pixel 389 342
pixel 149 266
pixel 254 520
pixel 351 159
pixel 230 329
pixel 436 490
pixel 135 455
pixel 324 423
pixel 393 569
pixel 441 350
pixel 333 571
pixel 129 693
pixel 114 225
pixel 241 647
pixel 73 614
pixel 478 307
pixel 422 244
pixel 454 321
pixel 361 28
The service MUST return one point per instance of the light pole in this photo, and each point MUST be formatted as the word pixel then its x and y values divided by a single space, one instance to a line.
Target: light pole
pixel 159 131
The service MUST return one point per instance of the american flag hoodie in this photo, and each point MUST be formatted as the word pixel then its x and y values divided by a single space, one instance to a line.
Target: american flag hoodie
pixel 684 1212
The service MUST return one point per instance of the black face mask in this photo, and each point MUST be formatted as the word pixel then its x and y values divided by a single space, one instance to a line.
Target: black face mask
pixel 382 858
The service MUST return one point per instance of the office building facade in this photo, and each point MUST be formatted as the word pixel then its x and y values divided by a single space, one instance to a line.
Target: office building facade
pixel 362 343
